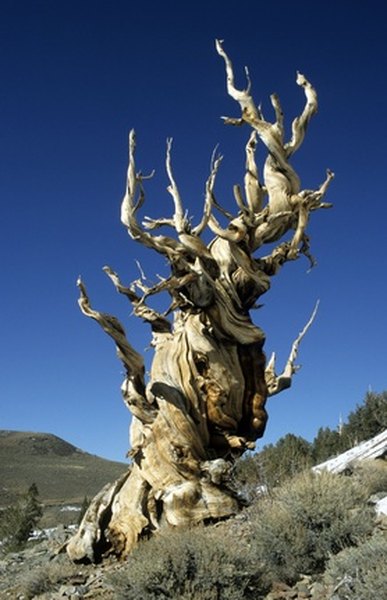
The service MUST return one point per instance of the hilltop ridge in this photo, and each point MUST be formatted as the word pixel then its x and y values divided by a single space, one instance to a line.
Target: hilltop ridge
pixel 36 443
pixel 63 473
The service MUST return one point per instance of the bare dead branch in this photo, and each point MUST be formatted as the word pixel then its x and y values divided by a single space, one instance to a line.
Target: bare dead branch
pixel 133 199
pixel 239 199
pixel 253 189
pixel 242 96
pixel 150 223
pixel 157 321
pixel 180 222
pixel 235 232
pixel 132 360
pixel 133 387
pixel 209 195
pixel 278 383
pixel 314 197
pixel 300 123
pixel 275 101
pixel 287 205
pixel 250 114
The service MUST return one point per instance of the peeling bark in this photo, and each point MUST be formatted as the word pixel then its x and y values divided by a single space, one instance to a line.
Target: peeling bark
pixel 205 401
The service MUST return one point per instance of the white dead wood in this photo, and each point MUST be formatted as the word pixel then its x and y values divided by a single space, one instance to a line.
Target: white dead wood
pixel 368 450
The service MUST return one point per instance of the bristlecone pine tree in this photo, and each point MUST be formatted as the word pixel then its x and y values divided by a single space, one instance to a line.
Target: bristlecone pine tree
pixel 204 403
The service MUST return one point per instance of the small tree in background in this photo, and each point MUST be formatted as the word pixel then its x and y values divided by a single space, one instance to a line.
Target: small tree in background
pixel 18 521
pixel 364 422
pixel 84 507
pixel 368 419
pixel 290 455
pixel 328 443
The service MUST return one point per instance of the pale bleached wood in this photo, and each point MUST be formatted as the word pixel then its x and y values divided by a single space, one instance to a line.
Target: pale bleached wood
pixel 204 401
pixel 371 449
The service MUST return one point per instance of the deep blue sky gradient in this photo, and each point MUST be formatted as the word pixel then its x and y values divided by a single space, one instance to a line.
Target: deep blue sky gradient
pixel 75 78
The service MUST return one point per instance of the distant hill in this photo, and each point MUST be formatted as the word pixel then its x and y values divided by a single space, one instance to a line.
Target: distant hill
pixel 63 473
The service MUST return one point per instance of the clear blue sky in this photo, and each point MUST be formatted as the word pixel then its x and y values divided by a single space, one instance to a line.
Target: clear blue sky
pixel 75 78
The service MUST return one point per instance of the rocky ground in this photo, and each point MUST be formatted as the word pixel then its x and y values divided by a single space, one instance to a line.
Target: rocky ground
pixel 41 571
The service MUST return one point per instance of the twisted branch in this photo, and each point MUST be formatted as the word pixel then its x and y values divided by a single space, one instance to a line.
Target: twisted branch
pixel 288 207
pixel 133 388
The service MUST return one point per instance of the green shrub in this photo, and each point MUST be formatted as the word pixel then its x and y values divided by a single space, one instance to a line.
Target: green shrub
pixel 359 573
pixel 36 582
pixel 46 578
pixel 373 475
pixel 305 521
pixel 195 564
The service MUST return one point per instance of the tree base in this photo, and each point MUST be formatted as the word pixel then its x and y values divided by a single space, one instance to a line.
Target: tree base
pixel 123 512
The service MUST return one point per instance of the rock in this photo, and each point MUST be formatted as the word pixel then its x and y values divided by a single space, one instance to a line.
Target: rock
pixel 303 590
pixel 280 591
pixel 36 569
pixel 317 591
pixel 72 590
pixel 381 506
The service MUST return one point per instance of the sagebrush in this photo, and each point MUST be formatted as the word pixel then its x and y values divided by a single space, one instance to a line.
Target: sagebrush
pixel 294 530
pixel 193 564
pixel 301 524
pixel 360 573
pixel 47 578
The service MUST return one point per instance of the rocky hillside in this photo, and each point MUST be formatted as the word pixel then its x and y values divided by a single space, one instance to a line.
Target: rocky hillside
pixel 63 473
pixel 315 537
pixel 43 571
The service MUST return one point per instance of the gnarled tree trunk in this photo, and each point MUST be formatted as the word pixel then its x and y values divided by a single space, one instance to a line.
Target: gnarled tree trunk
pixel 204 403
